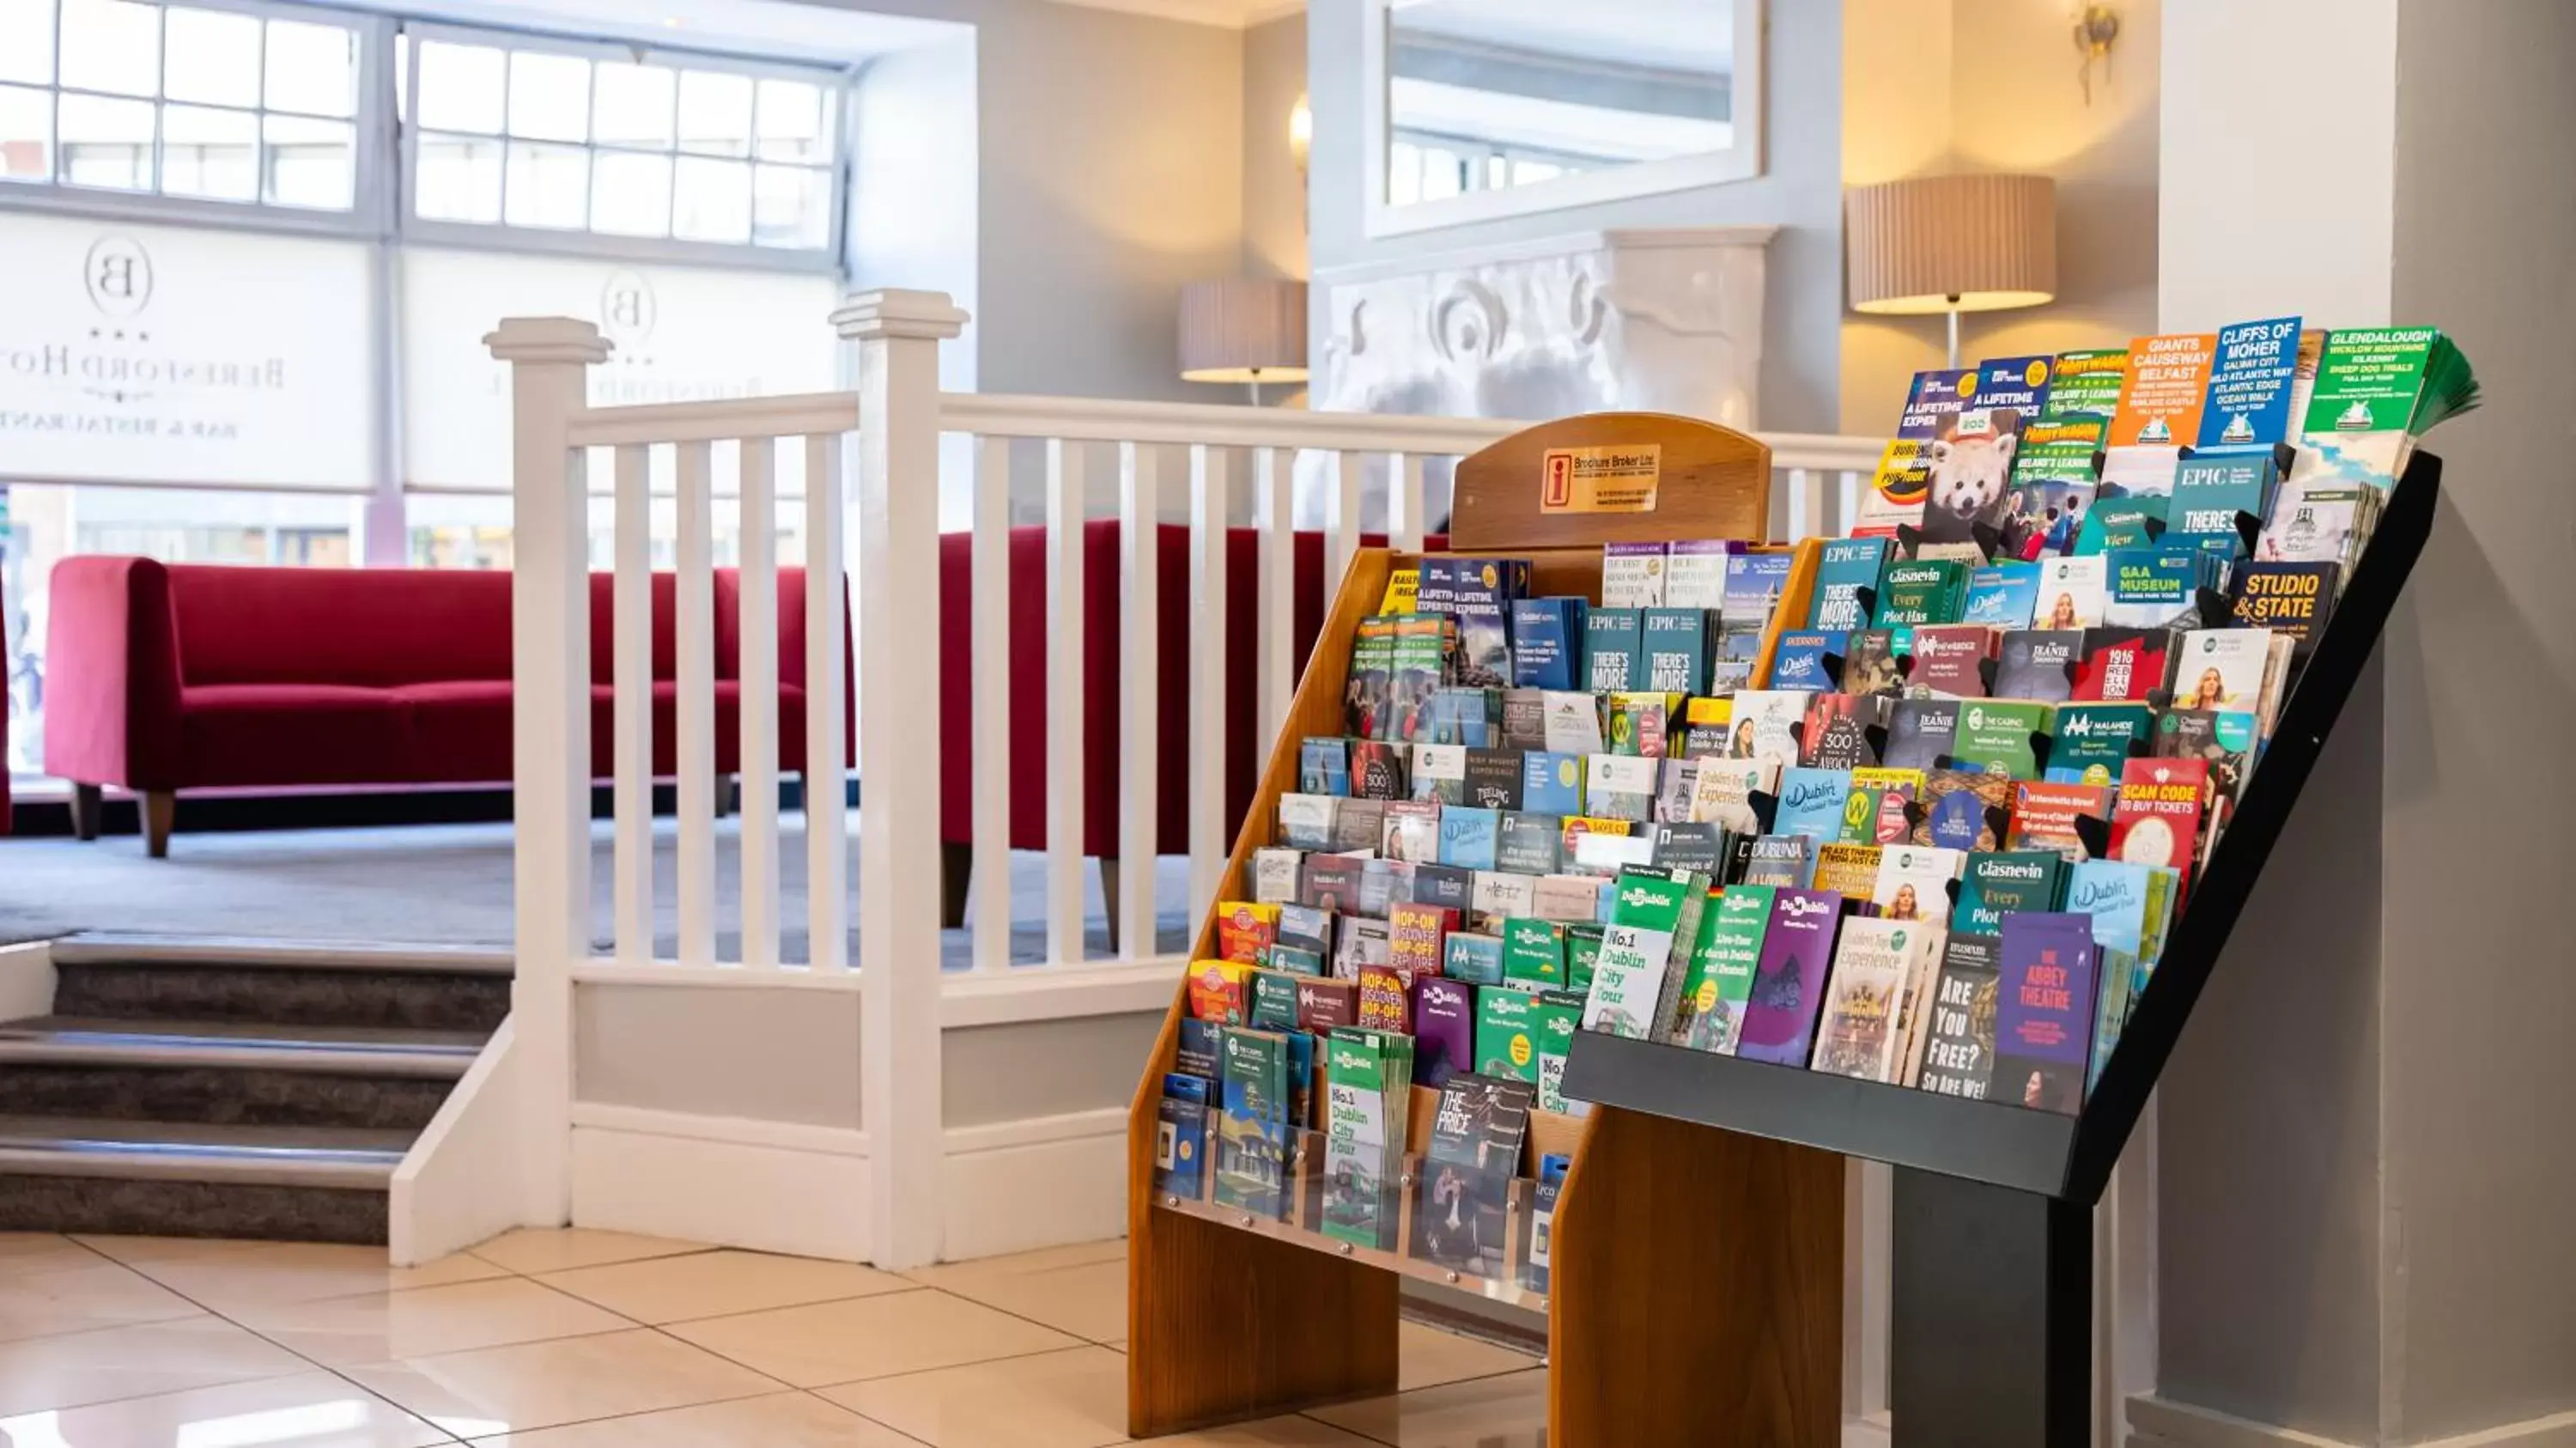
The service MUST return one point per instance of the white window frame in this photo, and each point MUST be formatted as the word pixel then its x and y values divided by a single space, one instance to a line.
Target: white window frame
pixel 1381 218
pixel 503 236
pixel 371 188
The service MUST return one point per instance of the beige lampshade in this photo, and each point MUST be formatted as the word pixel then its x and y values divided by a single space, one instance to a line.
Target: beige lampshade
pixel 1939 243
pixel 1243 331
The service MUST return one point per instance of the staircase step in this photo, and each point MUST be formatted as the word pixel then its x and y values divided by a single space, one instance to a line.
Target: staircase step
pixel 229 1073
pixel 170 1151
pixel 278 984
pixel 60 1174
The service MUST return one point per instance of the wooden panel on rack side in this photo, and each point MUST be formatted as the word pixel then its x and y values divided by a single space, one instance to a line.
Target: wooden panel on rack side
pixel 1224 1325
pixel 1708 482
pixel 1698 1290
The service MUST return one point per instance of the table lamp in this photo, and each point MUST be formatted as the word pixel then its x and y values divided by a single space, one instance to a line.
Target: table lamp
pixel 1951 244
pixel 1244 330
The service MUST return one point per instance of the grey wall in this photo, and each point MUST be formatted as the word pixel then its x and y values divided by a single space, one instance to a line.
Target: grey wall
pixel 1800 190
pixel 1044 1068
pixel 1109 174
pixel 2481 979
pixel 2364 1165
pixel 763 1055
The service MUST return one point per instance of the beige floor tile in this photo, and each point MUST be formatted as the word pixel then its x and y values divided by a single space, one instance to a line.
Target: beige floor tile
pixel 1089 1302
pixel 309 1410
pixel 498 1390
pixel 1073 1399
pixel 382 1326
pixel 133 1362
pixel 717 1284
pixel 31 1251
pixel 560 1249
pixel 1268 1433
pixel 82 1297
pixel 1045 1259
pixel 870 1337
pixel 1504 1412
pixel 788 1420
pixel 287 1272
pixel 1426 1357
pixel 138 1250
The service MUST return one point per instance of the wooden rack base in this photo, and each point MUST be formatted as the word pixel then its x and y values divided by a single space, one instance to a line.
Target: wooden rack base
pixel 1697 1278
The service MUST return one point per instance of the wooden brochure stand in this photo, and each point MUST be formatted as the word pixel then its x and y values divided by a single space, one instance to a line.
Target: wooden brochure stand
pixel 1697 1281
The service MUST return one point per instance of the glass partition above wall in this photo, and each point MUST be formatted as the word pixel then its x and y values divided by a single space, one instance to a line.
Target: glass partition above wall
pixel 1486 108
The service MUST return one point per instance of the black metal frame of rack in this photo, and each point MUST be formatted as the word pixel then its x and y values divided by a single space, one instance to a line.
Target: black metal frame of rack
pixel 1992 1283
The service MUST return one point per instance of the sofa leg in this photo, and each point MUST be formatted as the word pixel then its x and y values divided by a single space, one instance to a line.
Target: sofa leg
pixel 956 867
pixel 1109 896
pixel 728 795
pixel 87 806
pixel 160 813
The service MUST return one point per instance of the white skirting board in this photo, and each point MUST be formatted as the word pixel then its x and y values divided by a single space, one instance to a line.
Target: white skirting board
pixel 1010 1187
pixel 766 1186
pixel 454 1187
pixel 2158 1423
pixel 1047 1181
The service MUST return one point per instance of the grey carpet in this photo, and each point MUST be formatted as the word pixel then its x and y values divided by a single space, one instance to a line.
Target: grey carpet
pixel 441 885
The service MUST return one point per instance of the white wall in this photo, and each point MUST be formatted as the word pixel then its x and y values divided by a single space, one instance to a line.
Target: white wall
pixel 1109 174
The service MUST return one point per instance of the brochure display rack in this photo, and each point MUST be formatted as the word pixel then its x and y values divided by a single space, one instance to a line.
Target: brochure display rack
pixel 1992 1313
pixel 1689 1277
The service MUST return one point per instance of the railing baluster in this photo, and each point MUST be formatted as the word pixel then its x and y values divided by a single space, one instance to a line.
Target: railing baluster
pixel 827 760
pixel 990 767
pixel 1208 623
pixel 1275 614
pixel 1404 503
pixel 758 651
pixel 631 681
pixel 695 705
pixel 1342 525
pixel 1065 687
pixel 1805 498
pixel 1847 505
pixel 1139 664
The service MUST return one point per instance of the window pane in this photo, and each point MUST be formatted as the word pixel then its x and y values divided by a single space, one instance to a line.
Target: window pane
pixel 26 134
pixel 549 96
pixel 111 45
pixel 312 68
pixel 209 153
pixel 630 194
pixel 713 198
pixel 107 143
pixel 214 57
pixel 794 123
pixel 631 106
pixel 460 87
pixel 715 113
pixel 458 179
pixel 791 206
pixel 546 185
pixel 27 40
pixel 312 163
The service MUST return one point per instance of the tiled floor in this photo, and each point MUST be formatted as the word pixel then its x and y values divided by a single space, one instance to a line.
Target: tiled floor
pixel 581 1339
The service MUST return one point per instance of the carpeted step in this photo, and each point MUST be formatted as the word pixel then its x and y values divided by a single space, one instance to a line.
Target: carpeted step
pixel 229 1073
pixel 155 979
pixel 60 1174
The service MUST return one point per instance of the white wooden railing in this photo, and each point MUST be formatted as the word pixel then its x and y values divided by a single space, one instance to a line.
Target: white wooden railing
pixel 870 461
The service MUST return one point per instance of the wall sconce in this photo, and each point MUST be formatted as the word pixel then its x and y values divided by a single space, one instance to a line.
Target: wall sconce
pixel 2096 26
pixel 1301 131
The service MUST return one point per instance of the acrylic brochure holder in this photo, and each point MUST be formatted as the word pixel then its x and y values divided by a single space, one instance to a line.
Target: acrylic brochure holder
pixel 1669 1254
pixel 1992 1313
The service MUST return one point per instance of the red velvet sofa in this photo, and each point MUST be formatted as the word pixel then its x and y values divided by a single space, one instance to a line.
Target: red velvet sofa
pixel 165 677
pixel 1032 708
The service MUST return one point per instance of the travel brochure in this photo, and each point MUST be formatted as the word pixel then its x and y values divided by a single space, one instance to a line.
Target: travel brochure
pixel 1925 815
